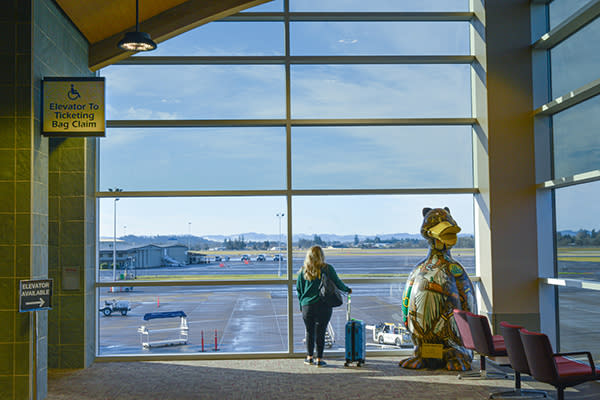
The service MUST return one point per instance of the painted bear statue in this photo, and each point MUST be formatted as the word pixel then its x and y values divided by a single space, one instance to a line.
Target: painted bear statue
pixel 436 286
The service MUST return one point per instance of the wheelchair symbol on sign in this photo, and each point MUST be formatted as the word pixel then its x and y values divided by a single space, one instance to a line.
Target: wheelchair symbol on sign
pixel 73 94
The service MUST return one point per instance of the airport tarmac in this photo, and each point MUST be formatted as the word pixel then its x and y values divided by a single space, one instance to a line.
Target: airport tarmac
pixel 254 318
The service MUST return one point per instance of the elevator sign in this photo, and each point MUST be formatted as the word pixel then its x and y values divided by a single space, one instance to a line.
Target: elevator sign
pixel 35 295
pixel 73 107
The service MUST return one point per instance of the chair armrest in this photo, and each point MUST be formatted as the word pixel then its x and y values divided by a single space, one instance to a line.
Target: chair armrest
pixel 579 353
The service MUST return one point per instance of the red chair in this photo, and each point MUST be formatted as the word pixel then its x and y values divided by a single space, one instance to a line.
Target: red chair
pixel 555 368
pixel 486 344
pixel 460 317
pixel 518 362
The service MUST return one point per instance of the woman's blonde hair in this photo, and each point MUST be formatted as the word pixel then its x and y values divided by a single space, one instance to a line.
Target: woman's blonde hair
pixel 313 262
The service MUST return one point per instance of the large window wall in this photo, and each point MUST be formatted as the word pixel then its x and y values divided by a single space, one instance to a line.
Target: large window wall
pixel 569 118
pixel 295 123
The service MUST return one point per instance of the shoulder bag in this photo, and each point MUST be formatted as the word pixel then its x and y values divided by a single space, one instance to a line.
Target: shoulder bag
pixel 329 292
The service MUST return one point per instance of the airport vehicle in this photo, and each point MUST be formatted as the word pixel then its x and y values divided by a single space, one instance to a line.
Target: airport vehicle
pixel 245 257
pixel 260 257
pixel 218 258
pixel 164 331
pixel 113 306
pixel 389 333
pixel 278 257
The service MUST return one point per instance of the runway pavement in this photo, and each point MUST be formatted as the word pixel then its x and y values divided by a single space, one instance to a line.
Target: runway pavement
pixel 253 318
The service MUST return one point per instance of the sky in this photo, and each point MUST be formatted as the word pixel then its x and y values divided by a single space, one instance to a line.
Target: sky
pixel 253 158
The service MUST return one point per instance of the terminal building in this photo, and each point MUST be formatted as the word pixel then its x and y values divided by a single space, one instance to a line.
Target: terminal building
pixel 146 256
pixel 501 114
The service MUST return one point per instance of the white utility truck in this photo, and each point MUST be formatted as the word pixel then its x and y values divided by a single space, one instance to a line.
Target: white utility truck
pixel 389 333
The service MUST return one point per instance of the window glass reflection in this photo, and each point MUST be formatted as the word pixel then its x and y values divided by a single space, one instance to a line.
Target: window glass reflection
pixel 560 10
pixel 576 139
pixel 575 61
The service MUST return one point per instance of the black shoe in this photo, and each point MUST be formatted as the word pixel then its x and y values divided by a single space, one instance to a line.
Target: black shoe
pixel 308 361
pixel 320 363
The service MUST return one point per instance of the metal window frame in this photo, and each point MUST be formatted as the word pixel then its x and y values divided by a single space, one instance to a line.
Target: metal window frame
pixel 568 27
pixel 570 99
pixel 543 127
pixel 287 61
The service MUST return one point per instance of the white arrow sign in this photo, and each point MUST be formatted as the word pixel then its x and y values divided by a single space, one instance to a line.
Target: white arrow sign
pixel 40 302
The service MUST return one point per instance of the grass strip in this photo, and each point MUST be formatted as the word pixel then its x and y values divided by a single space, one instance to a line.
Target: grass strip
pixel 252 277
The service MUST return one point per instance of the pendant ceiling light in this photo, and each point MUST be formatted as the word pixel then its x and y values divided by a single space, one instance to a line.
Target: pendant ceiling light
pixel 137 41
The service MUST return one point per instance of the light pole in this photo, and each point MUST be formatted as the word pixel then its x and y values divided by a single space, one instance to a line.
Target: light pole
pixel 115 233
pixel 279 215
pixel 189 238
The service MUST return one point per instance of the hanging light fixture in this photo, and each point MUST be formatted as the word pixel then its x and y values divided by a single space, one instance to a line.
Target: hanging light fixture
pixel 137 41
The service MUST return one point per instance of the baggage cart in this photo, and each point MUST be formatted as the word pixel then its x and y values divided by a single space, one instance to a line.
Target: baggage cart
pixel 164 332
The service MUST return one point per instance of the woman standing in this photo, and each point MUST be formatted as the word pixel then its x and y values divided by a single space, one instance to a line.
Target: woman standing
pixel 315 313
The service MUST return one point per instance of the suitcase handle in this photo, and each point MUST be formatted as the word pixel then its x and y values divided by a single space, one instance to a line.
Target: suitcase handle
pixel 348 308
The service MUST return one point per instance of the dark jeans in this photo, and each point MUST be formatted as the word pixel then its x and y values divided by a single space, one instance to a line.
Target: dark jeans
pixel 316 317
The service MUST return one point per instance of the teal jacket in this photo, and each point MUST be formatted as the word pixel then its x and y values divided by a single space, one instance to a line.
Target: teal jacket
pixel 308 291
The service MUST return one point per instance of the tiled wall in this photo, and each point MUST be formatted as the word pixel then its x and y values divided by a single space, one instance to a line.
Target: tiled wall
pixel 49 46
pixel 60 50
pixel 22 207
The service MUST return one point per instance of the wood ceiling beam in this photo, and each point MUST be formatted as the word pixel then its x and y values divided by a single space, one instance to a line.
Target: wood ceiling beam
pixel 166 25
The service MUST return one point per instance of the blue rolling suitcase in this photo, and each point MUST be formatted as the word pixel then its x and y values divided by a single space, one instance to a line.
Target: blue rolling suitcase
pixel 356 339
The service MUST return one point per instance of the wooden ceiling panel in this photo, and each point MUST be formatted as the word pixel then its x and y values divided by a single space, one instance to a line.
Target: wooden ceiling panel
pixel 99 19
pixel 104 22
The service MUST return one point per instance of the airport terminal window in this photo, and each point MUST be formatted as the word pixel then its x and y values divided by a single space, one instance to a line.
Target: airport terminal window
pixel 216 214
pixel 370 239
pixel 574 61
pixel 379 5
pixel 379 38
pixel 195 92
pixel 577 233
pixel 381 157
pixel 575 151
pixel 238 158
pixel 575 138
pixel 224 319
pixel 225 39
pixel 578 327
pixel 381 91
pixel 559 10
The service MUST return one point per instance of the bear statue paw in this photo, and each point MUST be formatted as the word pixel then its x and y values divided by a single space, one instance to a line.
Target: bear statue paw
pixel 412 363
pixel 458 365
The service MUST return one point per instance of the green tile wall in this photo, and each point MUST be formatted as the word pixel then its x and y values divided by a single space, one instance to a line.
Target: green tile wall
pixel 30 31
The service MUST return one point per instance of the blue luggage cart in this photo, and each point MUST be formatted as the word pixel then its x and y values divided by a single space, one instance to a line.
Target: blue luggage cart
pixel 164 334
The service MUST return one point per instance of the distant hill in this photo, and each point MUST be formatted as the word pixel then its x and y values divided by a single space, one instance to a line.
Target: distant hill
pixel 328 237
pixel 258 237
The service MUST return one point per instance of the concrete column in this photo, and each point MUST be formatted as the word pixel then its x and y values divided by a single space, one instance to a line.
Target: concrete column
pixel 505 214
